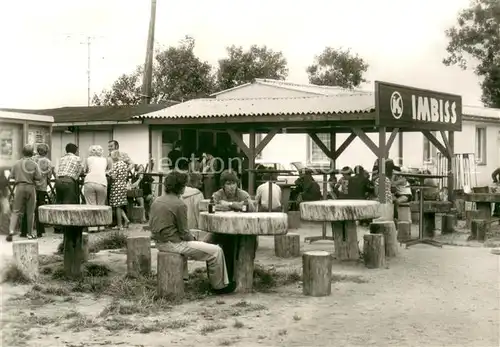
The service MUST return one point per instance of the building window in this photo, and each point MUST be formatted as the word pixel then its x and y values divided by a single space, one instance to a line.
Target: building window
pixel 430 151
pixel 481 146
pixel 315 154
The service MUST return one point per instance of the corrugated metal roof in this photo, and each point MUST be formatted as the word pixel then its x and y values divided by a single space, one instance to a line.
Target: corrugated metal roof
pixel 208 108
pixel 310 88
pixel 300 87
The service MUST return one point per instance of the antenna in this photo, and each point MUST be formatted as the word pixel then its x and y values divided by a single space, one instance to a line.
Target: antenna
pixel 88 41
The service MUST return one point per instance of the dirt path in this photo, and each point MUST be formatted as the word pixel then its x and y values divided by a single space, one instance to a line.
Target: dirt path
pixel 426 297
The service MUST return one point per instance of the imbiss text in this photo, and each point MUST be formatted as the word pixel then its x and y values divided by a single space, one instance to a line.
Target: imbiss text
pixel 433 110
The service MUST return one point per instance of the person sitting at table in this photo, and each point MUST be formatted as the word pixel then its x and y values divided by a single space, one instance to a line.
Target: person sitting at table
pixel 229 198
pixel 431 190
pixel 341 189
pixel 262 195
pixel 169 229
pixel 402 193
pixel 307 188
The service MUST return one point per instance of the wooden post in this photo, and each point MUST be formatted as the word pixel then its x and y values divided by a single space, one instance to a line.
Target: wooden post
pixel 148 64
pixel 404 231
pixel 374 251
pixel 381 165
pixel 345 238
pixel 26 258
pixel 317 273
pixel 170 274
pixel 287 246
pixel 251 163
pixel 139 256
pixel 479 229
pixel 388 229
pixel 85 246
pixel 451 180
pixel 448 222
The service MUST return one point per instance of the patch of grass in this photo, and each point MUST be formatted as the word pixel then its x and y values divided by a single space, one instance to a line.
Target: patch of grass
pixel 113 240
pixel 44 259
pixel 210 328
pixel 264 280
pixel 12 274
pixel 51 290
pixel 348 278
pixel 238 324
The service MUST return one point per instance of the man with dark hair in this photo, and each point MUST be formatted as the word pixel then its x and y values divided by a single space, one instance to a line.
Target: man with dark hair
pixel 175 159
pixel 26 174
pixel 169 229
pixel 113 145
pixel 68 172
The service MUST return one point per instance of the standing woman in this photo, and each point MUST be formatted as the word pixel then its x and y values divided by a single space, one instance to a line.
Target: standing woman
pixel 118 191
pixel 96 184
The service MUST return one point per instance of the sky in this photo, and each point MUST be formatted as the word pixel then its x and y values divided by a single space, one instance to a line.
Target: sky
pixel 44 43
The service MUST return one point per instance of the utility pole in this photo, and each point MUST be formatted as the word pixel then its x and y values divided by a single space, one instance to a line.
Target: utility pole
pixel 148 64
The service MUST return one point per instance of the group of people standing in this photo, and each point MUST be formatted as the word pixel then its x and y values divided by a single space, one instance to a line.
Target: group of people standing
pixel 106 180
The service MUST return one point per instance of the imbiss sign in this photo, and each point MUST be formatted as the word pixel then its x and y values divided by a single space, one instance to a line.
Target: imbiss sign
pixel 418 109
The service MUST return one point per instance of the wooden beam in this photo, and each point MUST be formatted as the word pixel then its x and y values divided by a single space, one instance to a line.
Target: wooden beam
pixel 432 139
pixel 344 146
pixel 265 141
pixel 381 154
pixel 447 143
pixel 251 163
pixel 366 140
pixel 320 144
pixel 388 146
pixel 239 142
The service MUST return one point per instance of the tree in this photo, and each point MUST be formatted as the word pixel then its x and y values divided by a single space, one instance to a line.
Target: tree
pixel 337 67
pixel 244 66
pixel 475 43
pixel 178 74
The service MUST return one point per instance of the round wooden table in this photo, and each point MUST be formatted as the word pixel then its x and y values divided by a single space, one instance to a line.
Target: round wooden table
pixel 343 214
pixel 73 219
pixel 237 235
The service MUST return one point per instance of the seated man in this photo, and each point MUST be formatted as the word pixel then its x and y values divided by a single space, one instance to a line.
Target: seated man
pixel 168 223
pixel 192 196
pixel 262 195
pixel 402 193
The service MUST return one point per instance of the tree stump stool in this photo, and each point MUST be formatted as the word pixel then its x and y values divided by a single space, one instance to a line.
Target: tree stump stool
pixel 343 214
pixel 287 246
pixel 404 212
pixel 448 222
pixel 404 231
pixel 316 273
pixel 429 224
pixel 138 256
pixel 170 273
pixel 85 246
pixel 374 251
pixel 237 233
pixel 479 229
pixel 136 213
pixel 73 219
pixel 293 219
pixel 388 229
pixel 26 258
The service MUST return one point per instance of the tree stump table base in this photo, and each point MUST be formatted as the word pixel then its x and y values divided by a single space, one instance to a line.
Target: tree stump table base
pixel 236 233
pixel 448 222
pixel 73 220
pixel 479 229
pixel 345 240
pixel 343 214
pixel 388 229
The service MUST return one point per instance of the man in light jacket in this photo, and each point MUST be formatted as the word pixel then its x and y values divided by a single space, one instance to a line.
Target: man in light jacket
pixel 192 197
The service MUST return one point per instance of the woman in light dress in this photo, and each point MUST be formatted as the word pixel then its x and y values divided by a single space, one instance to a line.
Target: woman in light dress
pixel 95 183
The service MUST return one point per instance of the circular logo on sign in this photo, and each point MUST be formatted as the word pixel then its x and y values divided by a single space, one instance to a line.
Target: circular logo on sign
pixel 396 105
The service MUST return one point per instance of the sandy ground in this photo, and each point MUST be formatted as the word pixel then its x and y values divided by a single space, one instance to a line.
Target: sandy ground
pixel 425 297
